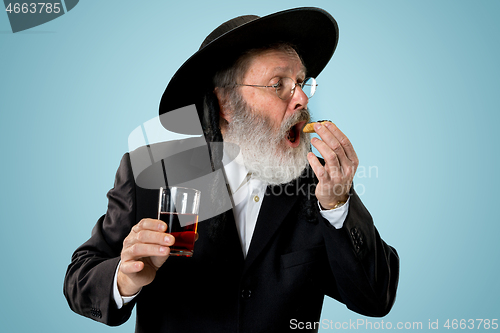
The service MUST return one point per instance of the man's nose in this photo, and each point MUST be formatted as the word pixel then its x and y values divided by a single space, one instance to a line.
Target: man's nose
pixel 299 99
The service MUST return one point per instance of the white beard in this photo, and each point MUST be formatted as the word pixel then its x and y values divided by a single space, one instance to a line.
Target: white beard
pixel 264 151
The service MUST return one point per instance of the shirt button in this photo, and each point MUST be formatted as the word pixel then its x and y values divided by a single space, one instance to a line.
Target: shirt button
pixel 256 198
pixel 246 293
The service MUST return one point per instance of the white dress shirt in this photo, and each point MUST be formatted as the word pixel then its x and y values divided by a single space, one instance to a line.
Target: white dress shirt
pixel 248 194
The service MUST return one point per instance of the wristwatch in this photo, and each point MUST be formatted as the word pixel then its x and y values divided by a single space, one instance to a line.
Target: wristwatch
pixel 339 204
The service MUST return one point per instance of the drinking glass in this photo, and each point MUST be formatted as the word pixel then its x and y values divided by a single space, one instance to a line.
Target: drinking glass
pixel 178 208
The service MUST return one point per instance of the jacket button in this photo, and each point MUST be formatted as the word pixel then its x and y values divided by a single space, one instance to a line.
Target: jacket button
pixel 246 293
pixel 96 313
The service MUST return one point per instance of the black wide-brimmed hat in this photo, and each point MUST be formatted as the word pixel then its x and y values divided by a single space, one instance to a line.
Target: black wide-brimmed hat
pixel 312 31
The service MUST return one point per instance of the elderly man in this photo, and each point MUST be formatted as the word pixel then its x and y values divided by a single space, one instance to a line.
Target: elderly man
pixel 266 264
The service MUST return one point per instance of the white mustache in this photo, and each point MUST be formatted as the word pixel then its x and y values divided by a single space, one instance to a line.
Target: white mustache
pixel 301 115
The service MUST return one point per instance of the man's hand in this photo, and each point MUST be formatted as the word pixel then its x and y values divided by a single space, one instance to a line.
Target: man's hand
pixel 335 177
pixel 145 249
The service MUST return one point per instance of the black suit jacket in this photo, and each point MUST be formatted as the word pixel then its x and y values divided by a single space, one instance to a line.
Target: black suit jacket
pixel 291 264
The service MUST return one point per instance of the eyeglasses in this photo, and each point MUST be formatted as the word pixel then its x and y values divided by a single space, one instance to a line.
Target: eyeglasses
pixel 285 87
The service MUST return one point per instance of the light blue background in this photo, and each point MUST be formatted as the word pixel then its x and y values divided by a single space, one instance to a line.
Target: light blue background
pixel 414 84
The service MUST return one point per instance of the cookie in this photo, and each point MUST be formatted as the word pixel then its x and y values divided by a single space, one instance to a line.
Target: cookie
pixel 309 128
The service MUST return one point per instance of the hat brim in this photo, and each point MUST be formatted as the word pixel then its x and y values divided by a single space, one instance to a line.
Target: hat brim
pixel 313 32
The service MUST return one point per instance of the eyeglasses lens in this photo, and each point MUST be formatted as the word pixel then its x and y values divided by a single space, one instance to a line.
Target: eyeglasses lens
pixel 286 85
pixel 284 88
pixel 309 87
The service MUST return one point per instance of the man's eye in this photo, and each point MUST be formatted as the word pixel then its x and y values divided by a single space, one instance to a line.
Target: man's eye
pixel 278 85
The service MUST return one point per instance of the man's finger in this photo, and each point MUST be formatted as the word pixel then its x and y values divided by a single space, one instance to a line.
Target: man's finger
pixel 150 224
pixel 333 143
pixel 344 141
pixel 315 164
pixel 154 237
pixel 129 267
pixel 332 163
pixel 148 237
pixel 140 250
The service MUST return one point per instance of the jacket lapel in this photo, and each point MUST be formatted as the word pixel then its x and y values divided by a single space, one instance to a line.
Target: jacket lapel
pixel 277 203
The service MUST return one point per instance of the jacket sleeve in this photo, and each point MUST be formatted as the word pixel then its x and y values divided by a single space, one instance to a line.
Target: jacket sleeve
pixel 365 268
pixel 88 285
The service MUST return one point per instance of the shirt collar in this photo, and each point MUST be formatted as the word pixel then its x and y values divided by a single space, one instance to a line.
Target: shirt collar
pixel 235 170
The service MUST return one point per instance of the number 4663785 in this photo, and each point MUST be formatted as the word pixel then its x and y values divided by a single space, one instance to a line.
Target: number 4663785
pixel 471 324
pixel 33 8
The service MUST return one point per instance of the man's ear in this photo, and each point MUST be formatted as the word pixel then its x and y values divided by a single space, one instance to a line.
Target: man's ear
pixel 224 112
